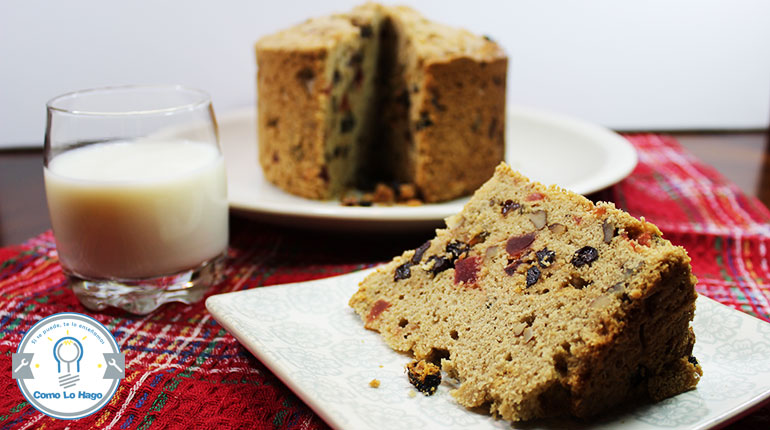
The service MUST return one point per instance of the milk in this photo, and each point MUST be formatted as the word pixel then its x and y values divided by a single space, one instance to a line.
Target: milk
pixel 139 209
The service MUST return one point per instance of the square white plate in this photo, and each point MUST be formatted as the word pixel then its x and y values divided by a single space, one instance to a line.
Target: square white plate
pixel 309 337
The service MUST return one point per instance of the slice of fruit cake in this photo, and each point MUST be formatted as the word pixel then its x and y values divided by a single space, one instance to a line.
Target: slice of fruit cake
pixel 541 303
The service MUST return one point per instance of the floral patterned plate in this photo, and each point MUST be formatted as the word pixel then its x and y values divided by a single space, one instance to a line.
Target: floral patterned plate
pixel 309 337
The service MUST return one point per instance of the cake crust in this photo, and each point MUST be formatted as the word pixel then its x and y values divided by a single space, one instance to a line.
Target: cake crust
pixel 291 149
pixel 541 303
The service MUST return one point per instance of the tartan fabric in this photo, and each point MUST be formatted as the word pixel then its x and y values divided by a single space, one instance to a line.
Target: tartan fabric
pixel 725 232
pixel 183 370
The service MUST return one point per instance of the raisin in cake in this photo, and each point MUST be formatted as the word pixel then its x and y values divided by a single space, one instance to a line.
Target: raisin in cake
pixel 541 303
pixel 379 93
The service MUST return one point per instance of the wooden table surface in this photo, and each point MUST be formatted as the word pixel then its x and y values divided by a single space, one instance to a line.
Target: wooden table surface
pixel 741 157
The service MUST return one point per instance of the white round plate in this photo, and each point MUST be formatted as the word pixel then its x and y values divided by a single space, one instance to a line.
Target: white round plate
pixel 546 147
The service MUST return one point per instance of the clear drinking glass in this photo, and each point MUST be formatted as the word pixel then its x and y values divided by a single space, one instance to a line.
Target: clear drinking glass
pixel 137 195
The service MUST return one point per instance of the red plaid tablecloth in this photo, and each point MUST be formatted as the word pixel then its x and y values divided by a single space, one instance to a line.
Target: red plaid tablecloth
pixel 183 370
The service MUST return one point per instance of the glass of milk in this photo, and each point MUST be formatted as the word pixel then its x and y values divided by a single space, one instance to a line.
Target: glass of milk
pixel 137 195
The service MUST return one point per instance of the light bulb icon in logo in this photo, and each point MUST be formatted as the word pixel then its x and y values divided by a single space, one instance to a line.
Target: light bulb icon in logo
pixel 68 351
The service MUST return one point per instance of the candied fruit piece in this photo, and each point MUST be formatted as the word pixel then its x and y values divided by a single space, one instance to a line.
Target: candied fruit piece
pixel 466 270
pixel 516 244
pixel 378 308
pixel 644 239
pixel 425 376
pixel 535 196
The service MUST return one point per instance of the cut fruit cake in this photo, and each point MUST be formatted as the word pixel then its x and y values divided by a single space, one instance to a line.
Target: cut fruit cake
pixel 541 303
pixel 379 93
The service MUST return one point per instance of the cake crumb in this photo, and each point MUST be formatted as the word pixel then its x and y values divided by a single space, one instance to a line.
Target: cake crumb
pixel 412 393
pixel 384 194
pixel 407 192
pixel 425 376
pixel 374 383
